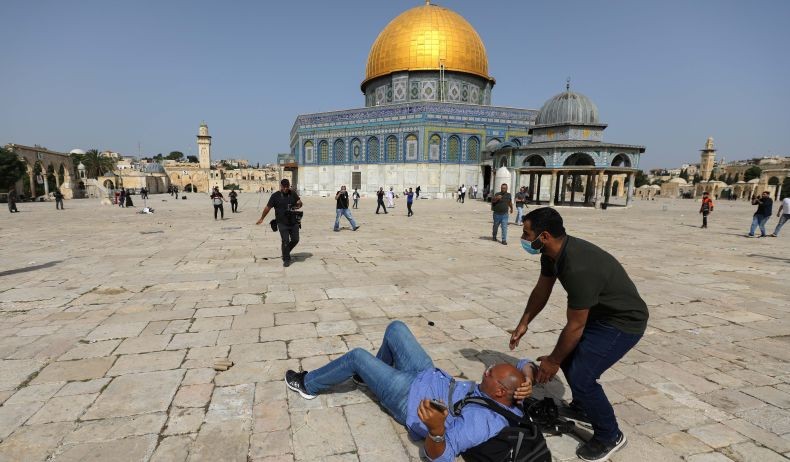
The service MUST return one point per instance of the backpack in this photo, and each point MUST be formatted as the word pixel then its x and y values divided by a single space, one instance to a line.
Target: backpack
pixel 520 441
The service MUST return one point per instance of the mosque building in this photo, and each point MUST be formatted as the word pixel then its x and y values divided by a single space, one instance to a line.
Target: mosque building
pixel 428 121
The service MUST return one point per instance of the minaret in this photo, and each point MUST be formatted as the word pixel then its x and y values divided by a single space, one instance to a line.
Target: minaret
pixel 204 146
pixel 706 160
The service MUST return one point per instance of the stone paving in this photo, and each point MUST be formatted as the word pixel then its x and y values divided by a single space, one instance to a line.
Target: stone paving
pixel 110 322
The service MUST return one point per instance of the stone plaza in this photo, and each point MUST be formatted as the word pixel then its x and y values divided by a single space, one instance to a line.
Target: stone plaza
pixel 111 320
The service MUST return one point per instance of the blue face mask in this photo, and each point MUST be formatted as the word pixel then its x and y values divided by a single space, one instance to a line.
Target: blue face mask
pixel 527 245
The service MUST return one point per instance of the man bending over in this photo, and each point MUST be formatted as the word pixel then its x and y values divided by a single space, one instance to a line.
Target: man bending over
pixel 404 379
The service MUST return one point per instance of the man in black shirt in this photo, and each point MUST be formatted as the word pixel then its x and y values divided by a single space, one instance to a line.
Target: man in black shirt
pixel 284 202
pixel 380 201
pixel 765 207
pixel 606 318
pixel 342 209
pixel 234 201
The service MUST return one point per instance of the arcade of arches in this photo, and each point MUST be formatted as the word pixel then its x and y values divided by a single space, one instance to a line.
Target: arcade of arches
pixel 46 171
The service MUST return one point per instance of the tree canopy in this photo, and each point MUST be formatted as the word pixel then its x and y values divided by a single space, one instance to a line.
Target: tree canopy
pixel 193 159
pixel 12 169
pixel 752 173
pixel 175 155
pixel 640 179
pixel 95 164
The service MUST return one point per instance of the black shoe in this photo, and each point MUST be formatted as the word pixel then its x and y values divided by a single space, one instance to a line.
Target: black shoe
pixel 504 242
pixel 493 238
pixel 295 381
pixel 286 263
pixel 595 451
pixel 355 228
pixel 358 381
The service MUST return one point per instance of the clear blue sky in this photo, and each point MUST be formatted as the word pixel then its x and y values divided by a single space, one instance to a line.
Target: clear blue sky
pixel 110 74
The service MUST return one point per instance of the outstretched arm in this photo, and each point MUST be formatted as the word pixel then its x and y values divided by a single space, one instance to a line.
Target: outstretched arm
pixel 569 338
pixel 265 211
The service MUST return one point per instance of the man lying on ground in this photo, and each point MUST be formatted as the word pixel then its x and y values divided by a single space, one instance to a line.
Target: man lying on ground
pixel 404 379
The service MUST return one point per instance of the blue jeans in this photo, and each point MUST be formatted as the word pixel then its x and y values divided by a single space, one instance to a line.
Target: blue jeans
pixel 519 214
pixel 600 347
pixel 388 375
pixel 782 220
pixel 500 220
pixel 759 220
pixel 345 213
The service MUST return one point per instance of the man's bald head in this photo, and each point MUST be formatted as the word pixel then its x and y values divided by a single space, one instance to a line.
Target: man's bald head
pixel 500 381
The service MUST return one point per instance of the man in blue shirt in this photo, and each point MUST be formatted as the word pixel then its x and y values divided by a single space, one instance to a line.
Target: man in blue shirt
pixel 404 379
pixel 409 201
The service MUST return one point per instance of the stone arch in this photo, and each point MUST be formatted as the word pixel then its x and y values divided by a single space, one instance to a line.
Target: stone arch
pixel 392 148
pixel 356 150
pixel 516 141
pixel 774 181
pixel 410 145
pixel 503 161
pixel 109 184
pixel 453 149
pixel 492 144
pixel 339 151
pixel 579 159
pixel 621 160
pixel 374 150
pixel 309 154
pixel 189 188
pixel 434 147
pixel 534 160
pixel 615 187
pixel 473 149
pixel 323 152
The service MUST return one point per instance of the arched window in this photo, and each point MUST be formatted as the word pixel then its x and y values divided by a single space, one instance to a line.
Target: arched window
pixel 309 155
pixel 323 152
pixel 356 150
pixel 339 150
pixel 453 149
pixel 516 141
pixel 411 147
pixel 503 161
pixel 579 158
pixel 434 148
pixel 373 150
pixel 392 149
pixel 621 160
pixel 473 149
pixel 534 161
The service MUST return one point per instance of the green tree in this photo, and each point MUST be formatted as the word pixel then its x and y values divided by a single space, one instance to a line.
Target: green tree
pixel 736 178
pixel 96 165
pixel 729 179
pixel 752 173
pixel 711 177
pixel 159 158
pixel 12 169
pixel 640 179
pixel 685 174
pixel 723 177
pixel 697 178
pixel 193 159
pixel 175 155
pixel 786 188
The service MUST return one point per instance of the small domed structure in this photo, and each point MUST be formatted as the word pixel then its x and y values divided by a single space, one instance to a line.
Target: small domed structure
pixel 678 180
pixel 568 108
pixel 77 151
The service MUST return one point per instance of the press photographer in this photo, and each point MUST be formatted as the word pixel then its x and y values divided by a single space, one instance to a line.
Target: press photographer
pixel 287 217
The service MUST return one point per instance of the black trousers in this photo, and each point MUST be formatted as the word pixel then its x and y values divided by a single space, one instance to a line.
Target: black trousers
pixel 234 206
pixel 381 204
pixel 59 204
pixel 408 206
pixel 221 211
pixel 289 234
pixel 704 219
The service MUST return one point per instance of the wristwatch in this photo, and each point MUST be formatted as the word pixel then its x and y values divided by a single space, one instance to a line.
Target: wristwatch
pixel 436 439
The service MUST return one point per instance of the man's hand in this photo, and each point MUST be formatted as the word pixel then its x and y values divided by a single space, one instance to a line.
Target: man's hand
pixel 547 370
pixel 523 391
pixel 259 221
pixel 432 418
pixel 515 337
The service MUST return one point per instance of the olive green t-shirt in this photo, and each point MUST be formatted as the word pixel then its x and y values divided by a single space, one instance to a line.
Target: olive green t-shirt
pixel 594 279
pixel 503 206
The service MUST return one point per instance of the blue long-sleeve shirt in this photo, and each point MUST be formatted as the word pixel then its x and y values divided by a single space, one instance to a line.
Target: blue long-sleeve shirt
pixel 475 425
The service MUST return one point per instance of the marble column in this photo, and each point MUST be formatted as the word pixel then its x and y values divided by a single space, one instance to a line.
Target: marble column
pixel 630 197
pixel 551 188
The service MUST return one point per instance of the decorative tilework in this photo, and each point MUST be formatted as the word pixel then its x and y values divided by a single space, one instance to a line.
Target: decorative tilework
pixel 339 150
pixel 356 150
pixel 473 149
pixel 454 91
pixel 453 149
pixel 323 152
pixel 428 90
pixel 474 94
pixel 411 147
pixel 381 95
pixel 373 150
pixel 392 149
pixel 434 148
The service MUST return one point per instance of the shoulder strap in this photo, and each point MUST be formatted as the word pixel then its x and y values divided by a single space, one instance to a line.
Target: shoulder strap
pixel 511 417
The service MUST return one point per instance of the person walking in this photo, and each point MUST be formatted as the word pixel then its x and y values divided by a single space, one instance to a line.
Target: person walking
pixel 129 202
pixel 285 202
pixel 501 203
pixel 606 318
pixel 58 199
pixel 784 214
pixel 234 201
pixel 217 199
pixel 521 202
pixel 474 192
pixel 391 198
pixel 342 209
pixel 409 201
pixel 417 191
pixel 764 205
pixel 355 196
pixel 12 198
pixel 380 201
pixel 705 208
pixel 122 198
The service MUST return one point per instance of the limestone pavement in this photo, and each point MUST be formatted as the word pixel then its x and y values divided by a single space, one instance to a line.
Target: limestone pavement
pixel 110 321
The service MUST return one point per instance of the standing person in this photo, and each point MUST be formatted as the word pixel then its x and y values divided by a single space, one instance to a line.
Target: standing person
pixel 355 196
pixel 122 198
pixel 284 202
pixel 129 202
pixel 463 193
pixel 380 201
pixel 391 198
pixel 521 202
pixel 234 201
pixel 342 209
pixel 784 214
pixel 12 198
pixel 217 199
pixel 764 205
pixel 500 204
pixel 705 208
pixel 409 200
pixel 458 197
pixel 606 317
pixel 417 191
pixel 474 192
pixel 58 199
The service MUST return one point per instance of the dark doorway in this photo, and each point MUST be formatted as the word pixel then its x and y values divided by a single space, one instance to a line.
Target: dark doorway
pixel 486 179
pixel 356 180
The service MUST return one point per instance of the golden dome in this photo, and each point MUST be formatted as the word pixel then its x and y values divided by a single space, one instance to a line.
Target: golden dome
pixel 423 37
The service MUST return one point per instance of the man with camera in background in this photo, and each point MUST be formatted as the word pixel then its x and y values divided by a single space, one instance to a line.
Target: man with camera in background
pixel 342 209
pixel 285 202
